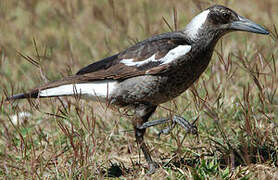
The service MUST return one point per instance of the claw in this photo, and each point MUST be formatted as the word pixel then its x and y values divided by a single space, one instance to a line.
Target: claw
pixel 189 127
pixel 152 168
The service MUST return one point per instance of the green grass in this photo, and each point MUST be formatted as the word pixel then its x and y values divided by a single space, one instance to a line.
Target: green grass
pixel 235 100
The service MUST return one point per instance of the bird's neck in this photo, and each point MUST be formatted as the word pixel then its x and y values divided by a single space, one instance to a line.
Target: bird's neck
pixel 203 36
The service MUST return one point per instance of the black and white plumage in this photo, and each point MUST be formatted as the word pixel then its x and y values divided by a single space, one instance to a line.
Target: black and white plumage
pixel 153 71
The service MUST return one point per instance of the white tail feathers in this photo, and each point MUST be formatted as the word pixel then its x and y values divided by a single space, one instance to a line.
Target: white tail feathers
pixel 95 90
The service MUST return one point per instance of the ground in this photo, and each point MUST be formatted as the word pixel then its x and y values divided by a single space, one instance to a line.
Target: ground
pixel 235 100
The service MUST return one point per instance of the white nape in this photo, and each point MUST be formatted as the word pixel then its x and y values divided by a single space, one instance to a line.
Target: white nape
pixel 196 24
pixel 171 56
pixel 95 90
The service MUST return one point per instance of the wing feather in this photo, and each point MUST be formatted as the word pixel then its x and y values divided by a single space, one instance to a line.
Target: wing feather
pixel 157 46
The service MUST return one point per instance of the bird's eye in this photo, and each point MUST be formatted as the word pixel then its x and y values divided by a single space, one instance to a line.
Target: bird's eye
pixel 226 15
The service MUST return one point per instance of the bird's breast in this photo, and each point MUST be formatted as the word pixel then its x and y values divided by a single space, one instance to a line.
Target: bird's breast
pixel 160 88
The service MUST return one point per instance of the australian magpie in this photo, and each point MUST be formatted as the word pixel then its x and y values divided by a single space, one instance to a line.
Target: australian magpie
pixel 153 71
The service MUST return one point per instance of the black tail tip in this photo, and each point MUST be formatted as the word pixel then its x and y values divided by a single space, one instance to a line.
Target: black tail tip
pixel 17 96
pixel 22 96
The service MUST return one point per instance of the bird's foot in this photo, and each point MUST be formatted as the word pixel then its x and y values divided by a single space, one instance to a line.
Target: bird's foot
pixel 152 168
pixel 189 127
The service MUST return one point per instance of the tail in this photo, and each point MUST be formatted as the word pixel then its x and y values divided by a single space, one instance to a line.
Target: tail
pixel 41 91
pixel 23 96
pixel 99 89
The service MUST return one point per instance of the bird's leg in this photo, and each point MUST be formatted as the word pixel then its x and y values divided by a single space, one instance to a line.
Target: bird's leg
pixel 189 127
pixel 142 114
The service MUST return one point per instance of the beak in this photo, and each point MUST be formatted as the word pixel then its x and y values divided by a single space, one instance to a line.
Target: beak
pixel 244 24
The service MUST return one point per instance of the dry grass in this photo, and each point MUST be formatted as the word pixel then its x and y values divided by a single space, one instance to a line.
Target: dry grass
pixel 236 98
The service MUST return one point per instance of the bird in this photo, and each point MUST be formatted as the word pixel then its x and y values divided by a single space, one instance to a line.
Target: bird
pixel 152 71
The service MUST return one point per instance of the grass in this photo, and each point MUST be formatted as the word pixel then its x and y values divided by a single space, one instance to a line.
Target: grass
pixel 235 100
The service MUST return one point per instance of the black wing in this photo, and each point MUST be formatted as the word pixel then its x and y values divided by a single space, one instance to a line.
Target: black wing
pixel 112 68
pixel 102 64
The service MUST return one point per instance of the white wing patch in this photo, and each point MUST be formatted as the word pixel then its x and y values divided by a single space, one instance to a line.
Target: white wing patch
pixel 175 53
pixel 196 24
pixel 95 90
pixel 172 55
pixel 130 62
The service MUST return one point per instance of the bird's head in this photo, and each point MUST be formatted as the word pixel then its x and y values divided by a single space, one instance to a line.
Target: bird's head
pixel 218 20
